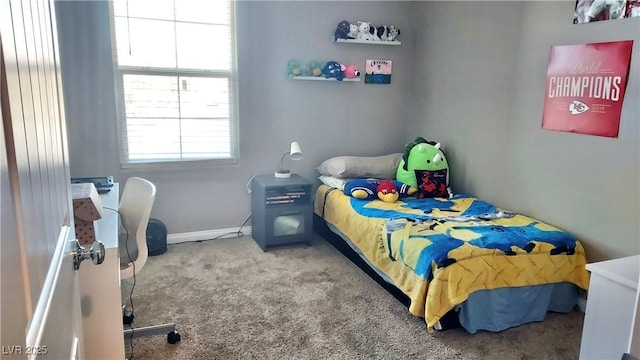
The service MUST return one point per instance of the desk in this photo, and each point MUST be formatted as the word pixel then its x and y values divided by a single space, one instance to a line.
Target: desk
pixel 611 305
pixel 100 296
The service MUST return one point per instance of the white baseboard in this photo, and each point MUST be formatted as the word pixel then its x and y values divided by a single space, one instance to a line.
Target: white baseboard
pixel 207 235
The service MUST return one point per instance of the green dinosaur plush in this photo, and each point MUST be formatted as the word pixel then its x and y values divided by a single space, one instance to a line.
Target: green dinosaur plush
pixel 420 155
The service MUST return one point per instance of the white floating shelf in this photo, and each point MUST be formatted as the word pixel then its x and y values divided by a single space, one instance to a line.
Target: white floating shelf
pixel 320 78
pixel 368 42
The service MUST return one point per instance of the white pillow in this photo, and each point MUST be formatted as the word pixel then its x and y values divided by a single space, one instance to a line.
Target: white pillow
pixel 379 167
pixel 333 181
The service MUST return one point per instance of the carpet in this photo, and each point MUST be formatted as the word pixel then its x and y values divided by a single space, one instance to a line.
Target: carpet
pixel 230 300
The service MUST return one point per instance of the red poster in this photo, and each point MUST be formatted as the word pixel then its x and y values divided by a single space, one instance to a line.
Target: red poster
pixel 585 87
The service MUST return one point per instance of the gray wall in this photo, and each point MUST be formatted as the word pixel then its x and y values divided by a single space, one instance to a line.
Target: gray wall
pixel 481 91
pixel 326 118
pixel 468 74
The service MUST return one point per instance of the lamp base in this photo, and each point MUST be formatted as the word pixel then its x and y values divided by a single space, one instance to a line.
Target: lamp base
pixel 282 174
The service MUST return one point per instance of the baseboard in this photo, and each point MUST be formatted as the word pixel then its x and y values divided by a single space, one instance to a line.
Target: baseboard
pixel 207 235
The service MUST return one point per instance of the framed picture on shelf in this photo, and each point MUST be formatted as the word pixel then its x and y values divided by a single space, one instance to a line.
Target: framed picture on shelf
pixel 378 72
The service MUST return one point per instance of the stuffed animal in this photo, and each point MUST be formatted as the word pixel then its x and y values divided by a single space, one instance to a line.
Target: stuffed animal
pixel 382 32
pixel 294 68
pixel 342 32
pixel 392 33
pixel 373 30
pixel 367 189
pixel 387 192
pixel 333 69
pixel 315 68
pixel 351 71
pixel 353 31
pixel 364 31
pixel 387 33
pixel 421 155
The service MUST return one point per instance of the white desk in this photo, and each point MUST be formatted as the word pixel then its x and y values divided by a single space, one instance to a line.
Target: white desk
pixel 100 289
pixel 611 305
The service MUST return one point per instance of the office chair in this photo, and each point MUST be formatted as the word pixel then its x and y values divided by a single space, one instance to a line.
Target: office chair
pixel 135 208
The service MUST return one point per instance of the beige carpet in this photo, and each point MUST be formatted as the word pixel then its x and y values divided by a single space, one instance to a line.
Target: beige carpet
pixel 230 300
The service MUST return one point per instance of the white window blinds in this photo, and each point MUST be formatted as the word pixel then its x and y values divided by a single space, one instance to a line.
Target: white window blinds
pixel 175 80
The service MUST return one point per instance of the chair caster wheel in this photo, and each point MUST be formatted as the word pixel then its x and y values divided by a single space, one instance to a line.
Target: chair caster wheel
pixel 173 337
pixel 127 318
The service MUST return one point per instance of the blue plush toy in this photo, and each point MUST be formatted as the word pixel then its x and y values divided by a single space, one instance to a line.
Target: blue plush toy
pixel 333 69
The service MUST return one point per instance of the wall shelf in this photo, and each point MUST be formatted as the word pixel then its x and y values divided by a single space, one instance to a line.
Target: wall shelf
pixel 320 78
pixel 368 42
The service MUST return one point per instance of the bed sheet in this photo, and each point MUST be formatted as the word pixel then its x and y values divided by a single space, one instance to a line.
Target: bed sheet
pixel 439 251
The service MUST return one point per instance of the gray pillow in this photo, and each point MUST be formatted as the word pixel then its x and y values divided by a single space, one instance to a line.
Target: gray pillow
pixel 379 167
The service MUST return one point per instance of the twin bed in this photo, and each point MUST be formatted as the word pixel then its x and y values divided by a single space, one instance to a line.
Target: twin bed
pixel 457 261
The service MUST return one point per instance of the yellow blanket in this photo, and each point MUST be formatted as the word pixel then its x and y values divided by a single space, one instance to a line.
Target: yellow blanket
pixel 439 251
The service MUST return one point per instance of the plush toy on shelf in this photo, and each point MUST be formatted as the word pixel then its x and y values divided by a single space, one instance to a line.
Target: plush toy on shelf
pixel 392 33
pixel 351 71
pixel 364 31
pixel 388 33
pixel 294 68
pixel 342 32
pixel 373 30
pixel 353 31
pixel 382 32
pixel 346 30
pixel 315 68
pixel 333 69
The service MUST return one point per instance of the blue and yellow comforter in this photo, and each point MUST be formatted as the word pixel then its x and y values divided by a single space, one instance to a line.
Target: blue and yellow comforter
pixel 438 251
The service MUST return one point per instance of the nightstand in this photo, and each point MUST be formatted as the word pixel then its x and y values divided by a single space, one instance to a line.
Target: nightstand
pixel 281 210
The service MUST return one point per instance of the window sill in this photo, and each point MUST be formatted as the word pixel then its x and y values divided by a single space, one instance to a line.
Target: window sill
pixel 180 165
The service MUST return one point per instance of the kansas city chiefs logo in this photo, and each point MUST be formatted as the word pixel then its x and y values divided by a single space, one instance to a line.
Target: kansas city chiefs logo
pixel 578 107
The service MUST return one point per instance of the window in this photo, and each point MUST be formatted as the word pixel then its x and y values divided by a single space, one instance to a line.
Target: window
pixel 175 80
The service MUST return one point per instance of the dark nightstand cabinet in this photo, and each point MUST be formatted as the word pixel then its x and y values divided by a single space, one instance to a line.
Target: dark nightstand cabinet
pixel 281 210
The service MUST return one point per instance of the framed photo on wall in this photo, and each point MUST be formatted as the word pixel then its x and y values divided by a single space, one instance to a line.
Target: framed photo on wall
pixel 598 10
pixel 377 72
pixel 585 87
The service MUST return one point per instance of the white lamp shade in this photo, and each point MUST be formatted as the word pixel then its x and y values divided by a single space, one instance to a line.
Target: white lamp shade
pixel 295 153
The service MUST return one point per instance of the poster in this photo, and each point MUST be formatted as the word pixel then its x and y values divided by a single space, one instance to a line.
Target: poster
pixel 377 72
pixel 585 87
pixel 597 10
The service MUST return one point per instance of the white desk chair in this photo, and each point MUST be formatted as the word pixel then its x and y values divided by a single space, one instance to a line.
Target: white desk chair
pixel 135 208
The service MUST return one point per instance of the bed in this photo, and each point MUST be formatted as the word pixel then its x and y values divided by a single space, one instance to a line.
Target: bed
pixel 457 261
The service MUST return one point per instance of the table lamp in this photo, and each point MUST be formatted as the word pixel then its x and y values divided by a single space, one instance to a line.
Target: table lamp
pixel 295 154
